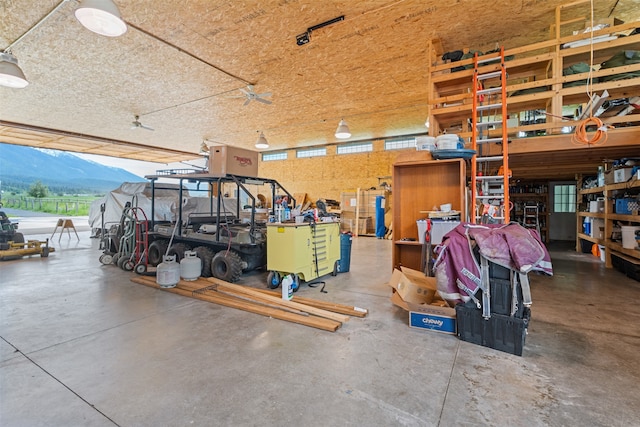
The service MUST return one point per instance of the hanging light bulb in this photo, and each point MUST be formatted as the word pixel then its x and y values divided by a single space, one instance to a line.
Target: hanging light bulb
pixel 262 143
pixel 343 131
pixel 11 74
pixel 101 17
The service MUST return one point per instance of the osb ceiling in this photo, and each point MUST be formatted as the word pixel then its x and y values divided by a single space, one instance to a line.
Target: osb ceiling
pixel 181 65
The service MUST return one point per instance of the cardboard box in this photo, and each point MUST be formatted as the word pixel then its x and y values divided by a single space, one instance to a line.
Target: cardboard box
pixel 622 175
pixel 610 22
pixel 226 160
pixel 417 294
pixel 596 225
pixel 609 177
pixel 434 318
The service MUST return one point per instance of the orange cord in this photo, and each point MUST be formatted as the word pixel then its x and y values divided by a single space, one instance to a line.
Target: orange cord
pixel 580 135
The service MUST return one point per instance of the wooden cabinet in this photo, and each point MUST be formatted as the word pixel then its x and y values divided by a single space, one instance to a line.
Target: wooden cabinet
pixel 422 186
pixel 605 226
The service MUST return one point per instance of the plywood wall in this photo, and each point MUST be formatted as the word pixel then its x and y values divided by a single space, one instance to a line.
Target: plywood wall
pixel 328 176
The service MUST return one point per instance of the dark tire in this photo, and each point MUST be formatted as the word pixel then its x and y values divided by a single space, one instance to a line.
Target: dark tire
pixel 106 259
pixel 128 265
pixel 140 269
pixel 121 262
pixel 227 266
pixel 205 254
pixel 273 279
pixel 18 238
pixel 295 285
pixel 156 251
pixel 178 249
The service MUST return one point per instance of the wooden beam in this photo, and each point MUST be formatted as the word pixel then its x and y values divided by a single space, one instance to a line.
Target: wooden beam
pixel 622 137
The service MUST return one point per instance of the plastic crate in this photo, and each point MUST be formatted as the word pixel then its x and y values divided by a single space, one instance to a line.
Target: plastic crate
pixel 622 206
pixel 501 297
pixel 498 272
pixel 503 333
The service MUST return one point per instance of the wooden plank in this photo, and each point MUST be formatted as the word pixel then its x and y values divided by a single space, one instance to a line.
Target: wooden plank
pixel 348 310
pixel 325 305
pixel 291 304
pixel 229 301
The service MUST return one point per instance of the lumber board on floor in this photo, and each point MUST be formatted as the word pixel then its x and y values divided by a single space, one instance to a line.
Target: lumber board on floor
pixel 230 287
pixel 189 289
pixel 325 305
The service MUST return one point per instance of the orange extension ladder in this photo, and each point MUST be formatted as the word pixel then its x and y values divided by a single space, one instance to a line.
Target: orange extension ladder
pixel 489 166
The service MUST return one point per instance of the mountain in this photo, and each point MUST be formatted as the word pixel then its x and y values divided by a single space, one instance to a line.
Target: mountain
pixel 60 171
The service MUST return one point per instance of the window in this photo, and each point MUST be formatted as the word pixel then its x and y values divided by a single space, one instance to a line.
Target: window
pixel 399 143
pixel 356 147
pixel 267 157
pixel 564 198
pixel 311 152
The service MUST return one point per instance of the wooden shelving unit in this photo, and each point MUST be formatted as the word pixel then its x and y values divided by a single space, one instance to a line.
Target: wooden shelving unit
pixel 610 218
pixel 421 186
pixel 584 196
pixel 531 193
pixel 536 83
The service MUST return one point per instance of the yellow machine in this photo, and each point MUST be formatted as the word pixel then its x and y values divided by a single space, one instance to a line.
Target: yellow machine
pixel 31 247
pixel 306 251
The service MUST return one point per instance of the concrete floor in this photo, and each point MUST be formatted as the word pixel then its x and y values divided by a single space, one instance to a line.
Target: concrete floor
pixel 84 346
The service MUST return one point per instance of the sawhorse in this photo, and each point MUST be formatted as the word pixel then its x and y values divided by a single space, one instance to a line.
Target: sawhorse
pixel 62 224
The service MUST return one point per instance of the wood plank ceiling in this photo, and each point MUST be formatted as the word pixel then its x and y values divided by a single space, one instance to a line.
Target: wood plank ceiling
pixel 181 65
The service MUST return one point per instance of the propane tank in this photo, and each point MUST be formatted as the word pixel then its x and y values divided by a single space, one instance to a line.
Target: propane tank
pixel 190 266
pixel 168 273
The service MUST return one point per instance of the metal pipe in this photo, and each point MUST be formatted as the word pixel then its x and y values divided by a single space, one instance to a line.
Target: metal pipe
pixel 36 25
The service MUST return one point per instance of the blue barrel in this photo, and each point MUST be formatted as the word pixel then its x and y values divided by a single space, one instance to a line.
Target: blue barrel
pixel 345 252
pixel 380 228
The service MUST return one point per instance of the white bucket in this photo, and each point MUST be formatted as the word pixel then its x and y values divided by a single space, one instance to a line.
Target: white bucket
pixel 447 142
pixel 425 143
pixel 422 229
pixel 629 236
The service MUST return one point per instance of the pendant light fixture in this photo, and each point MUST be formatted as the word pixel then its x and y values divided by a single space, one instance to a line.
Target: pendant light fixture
pixel 11 74
pixel 343 131
pixel 101 17
pixel 262 143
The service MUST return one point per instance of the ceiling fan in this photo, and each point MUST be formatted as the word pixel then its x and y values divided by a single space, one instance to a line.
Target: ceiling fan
pixel 136 124
pixel 251 95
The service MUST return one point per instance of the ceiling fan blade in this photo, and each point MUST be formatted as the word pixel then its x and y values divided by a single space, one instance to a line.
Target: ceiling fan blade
pixel 264 101
pixel 247 101
pixel 247 93
pixel 146 127
pixel 264 95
